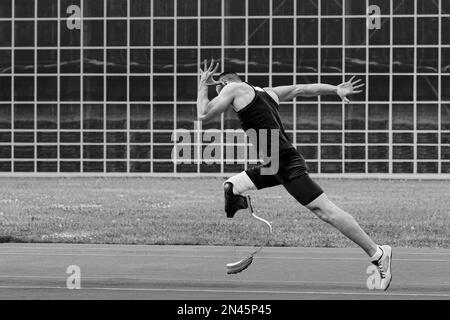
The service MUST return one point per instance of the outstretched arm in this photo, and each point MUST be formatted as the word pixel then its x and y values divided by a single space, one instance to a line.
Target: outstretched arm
pixel 206 109
pixel 285 93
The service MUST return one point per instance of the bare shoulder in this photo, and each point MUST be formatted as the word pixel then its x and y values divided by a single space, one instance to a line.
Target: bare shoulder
pixel 242 94
pixel 236 88
pixel 239 86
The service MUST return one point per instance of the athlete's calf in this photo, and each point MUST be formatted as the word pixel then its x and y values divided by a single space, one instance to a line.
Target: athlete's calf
pixel 326 210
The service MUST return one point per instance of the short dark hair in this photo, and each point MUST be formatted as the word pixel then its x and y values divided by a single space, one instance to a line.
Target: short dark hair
pixel 230 75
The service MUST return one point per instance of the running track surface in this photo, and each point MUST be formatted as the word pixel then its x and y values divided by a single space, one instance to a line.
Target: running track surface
pixel 38 271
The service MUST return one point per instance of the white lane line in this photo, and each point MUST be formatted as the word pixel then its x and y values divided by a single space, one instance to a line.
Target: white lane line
pixel 210 281
pixel 215 249
pixel 385 294
pixel 203 257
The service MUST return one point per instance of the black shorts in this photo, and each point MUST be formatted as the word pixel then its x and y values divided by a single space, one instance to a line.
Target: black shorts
pixel 292 174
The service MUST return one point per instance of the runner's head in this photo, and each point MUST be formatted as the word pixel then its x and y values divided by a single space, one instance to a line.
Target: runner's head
pixel 225 78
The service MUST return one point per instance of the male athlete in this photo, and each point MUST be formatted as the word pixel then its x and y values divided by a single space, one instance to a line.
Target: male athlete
pixel 258 109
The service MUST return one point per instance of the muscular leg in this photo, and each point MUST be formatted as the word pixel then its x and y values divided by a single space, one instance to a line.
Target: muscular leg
pixel 309 194
pixel 343 221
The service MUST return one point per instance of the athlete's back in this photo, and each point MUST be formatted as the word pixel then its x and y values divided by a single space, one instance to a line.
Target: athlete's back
pixel 262 113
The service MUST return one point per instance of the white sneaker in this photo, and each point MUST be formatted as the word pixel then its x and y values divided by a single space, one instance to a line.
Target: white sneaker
pixel 384 267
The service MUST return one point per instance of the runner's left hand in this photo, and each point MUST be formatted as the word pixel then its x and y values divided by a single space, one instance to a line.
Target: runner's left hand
pixel 347 88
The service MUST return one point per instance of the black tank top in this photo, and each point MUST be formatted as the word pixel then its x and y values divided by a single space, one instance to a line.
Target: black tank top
pixel 263 113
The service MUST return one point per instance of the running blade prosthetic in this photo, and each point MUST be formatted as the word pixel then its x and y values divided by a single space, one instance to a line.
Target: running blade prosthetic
pixel 241 265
